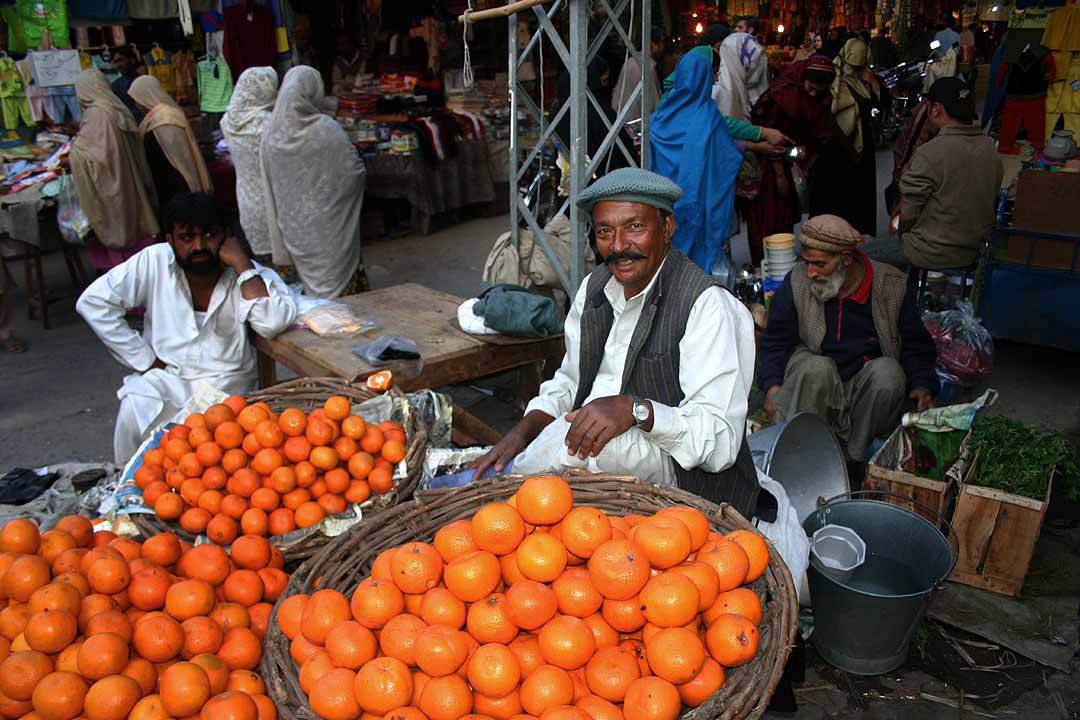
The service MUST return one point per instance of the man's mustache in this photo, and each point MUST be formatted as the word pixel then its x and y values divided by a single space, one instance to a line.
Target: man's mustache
pixel 624 255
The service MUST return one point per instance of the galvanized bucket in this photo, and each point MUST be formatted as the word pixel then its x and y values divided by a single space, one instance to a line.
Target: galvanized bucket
pixel 864 623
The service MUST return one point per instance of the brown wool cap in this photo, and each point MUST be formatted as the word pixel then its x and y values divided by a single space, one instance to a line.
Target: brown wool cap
pixel 830 233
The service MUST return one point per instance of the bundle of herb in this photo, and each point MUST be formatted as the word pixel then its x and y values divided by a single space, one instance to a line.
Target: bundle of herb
pixel 1017 458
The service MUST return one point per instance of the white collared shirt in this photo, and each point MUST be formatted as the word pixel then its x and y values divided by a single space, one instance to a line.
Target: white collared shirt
pixel 716 369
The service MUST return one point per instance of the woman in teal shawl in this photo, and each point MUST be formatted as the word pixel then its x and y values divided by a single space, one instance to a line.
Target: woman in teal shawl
pixel 691 146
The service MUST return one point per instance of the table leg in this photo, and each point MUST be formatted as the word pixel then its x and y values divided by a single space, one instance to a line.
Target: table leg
pixel 267 370
pixel 43 293
pixel 529 383
pixel 467 429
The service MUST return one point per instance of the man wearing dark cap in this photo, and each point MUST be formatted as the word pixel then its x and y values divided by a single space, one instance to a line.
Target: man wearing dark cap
pixel 844 340
pixel 658 364
pixel 949 192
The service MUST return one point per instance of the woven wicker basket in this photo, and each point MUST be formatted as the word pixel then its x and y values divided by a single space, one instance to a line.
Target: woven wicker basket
pixel 308 394
pixel 348 558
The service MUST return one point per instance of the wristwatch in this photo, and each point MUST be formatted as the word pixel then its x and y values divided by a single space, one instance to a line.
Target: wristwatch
pixel 641 411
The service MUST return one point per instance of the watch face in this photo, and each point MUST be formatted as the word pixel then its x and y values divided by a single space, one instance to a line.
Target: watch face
pixel 641 412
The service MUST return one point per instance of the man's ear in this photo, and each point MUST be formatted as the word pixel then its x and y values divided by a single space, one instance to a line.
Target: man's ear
pixel 669 228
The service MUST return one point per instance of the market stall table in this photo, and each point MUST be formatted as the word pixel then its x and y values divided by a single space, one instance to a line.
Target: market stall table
pixel 450 184
pixel 428 317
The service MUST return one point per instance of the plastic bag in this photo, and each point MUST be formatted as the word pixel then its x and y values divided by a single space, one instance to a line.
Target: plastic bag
pixel 336 319
pixel 72 221
pixel 964 347
pixel 396 350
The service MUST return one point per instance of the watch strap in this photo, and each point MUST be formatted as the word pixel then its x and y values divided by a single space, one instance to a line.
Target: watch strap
pixel 247 275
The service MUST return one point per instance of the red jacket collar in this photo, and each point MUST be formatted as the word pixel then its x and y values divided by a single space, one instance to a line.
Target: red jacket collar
pixel 862 293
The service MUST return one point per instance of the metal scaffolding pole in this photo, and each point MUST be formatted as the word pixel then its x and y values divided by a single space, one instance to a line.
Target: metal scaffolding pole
pixel 635 33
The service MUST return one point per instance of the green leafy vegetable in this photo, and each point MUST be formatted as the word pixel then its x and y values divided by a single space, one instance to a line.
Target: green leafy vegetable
pixel 1017 458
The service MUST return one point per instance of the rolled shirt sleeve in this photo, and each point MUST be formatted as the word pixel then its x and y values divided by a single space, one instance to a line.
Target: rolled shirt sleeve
pixel 108 299
pixel 716 366
pixel 556 396
pixel 271 315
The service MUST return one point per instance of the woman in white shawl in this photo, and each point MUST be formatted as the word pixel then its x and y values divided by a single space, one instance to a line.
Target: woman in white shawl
pixel 249 113
pixel 175 160
pixel 741 60
pixel 315 183
pixel 110 173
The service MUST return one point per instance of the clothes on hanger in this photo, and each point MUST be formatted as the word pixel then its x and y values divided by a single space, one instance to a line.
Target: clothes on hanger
pixel 183 64
pixel 215 84
pixel 13 101
pixel 249 37
pixel 62 102
pixel 16 40
pixel 165 9
pixel 36 96
pixel 159 64
pixel 103 10
pixel 38 16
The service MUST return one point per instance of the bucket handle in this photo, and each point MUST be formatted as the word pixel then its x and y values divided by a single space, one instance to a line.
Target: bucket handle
pixel 951 536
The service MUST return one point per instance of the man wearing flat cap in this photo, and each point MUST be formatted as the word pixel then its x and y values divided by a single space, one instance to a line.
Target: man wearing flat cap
pixel 844 339
pixel 658 366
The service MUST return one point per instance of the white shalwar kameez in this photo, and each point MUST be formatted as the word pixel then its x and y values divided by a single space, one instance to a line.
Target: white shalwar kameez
pixel 216 350
pixel 716 370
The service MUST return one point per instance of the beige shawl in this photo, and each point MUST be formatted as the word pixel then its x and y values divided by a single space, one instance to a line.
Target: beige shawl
pixel 172 131
pixel 848 87
pixel 108 165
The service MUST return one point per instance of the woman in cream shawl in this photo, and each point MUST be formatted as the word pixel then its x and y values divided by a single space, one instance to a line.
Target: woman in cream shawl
pixel 843 180
pixel 175 160
pixel 315 189
pixel 112 179
pixel 243 125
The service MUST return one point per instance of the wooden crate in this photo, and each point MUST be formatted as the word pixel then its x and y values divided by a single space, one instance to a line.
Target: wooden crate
pixel 883 474
pixel 997 532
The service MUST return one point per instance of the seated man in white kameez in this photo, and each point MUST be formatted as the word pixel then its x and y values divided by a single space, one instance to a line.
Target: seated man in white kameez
pixel 658 366
pixel 201 292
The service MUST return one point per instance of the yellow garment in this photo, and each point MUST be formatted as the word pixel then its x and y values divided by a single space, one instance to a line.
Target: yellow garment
pixel 1063 32
pixel 172 131
pixel 1061 98
pixel 162 69
pixel 847 87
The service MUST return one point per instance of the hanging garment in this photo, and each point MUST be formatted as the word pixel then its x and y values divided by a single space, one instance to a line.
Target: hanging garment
pixel 37 16
pixel 1063 97
pixel 164 9
pixel 215 85
pixel 249 38
pixel 184 77
pixel 103 10
pixel 16 40
pixel 249 113
pixel 159 64
pixel 12 97
pixel 62 102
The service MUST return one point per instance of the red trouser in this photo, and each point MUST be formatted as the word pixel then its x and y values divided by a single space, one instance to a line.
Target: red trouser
pixel 1030 113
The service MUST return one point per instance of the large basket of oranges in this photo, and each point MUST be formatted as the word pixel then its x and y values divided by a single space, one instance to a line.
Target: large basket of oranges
pixel 593 597
pixel 106 627
pixel 292 462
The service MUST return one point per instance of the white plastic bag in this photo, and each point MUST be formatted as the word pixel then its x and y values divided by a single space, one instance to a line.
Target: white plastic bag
pixel 73 223
pixel 787 536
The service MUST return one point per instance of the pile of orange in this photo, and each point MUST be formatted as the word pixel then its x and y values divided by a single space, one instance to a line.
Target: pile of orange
pixel 104 628
pixel 240 469
pixel 535 608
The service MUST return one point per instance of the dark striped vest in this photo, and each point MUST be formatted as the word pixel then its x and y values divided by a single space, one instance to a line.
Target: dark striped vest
pixel 652 365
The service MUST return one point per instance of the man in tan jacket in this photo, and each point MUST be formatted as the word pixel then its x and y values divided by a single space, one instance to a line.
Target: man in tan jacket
pixel 949 193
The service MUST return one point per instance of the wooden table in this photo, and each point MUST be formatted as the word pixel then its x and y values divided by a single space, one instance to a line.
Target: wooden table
pixel 427 317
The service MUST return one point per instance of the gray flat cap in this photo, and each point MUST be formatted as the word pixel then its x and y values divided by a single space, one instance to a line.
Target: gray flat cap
pixel 632 185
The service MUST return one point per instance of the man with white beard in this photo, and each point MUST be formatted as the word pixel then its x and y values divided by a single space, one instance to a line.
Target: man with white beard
pixel 845 340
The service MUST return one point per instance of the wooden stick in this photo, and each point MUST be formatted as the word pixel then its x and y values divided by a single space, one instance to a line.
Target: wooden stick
pixel 500 12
